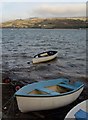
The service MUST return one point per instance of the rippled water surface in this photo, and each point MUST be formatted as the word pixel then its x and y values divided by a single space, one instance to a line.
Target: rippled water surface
pixel 20 45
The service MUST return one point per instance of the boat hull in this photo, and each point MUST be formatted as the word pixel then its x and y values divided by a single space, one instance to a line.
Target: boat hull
pixel 32 103
pixel 44 59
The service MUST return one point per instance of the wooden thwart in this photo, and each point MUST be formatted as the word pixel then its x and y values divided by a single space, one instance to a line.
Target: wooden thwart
pixel 48 91
pixel 67 86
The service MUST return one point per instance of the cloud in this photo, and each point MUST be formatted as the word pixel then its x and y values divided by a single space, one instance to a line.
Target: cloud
pixel 24 10
pixel 61 10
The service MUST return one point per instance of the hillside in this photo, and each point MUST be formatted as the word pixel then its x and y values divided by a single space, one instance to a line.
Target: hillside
pixel 48 23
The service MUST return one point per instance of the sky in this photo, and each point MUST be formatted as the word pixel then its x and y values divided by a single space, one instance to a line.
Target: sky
pixel 20 9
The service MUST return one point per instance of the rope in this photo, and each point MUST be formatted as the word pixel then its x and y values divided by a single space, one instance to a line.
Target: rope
pixel 9 107
pixel 9 100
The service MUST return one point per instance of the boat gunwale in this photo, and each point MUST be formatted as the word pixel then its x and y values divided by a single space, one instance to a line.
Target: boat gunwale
pixel 49 95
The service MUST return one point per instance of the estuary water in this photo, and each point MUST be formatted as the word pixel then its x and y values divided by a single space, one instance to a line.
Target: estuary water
pixel 20 45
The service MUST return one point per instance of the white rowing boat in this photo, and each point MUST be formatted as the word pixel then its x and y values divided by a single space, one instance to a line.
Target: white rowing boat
pixel 48 94
pixel 44 56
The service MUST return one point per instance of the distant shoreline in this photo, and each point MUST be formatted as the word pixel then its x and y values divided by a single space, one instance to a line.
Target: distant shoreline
pixel 49 23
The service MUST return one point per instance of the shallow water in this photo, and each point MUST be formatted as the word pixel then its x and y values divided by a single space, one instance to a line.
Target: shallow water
pixel 20 45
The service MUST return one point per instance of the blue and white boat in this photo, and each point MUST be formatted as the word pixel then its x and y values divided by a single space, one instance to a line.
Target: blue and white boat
pixel 45 56
pixel 48 94
pixel 79 112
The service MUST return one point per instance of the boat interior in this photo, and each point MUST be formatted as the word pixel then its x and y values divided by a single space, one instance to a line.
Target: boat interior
pixel 45 54
pixel 50 88
pixel 81 114
pixel 53 90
